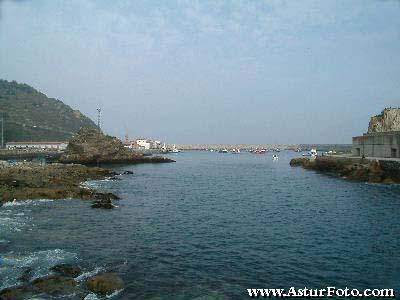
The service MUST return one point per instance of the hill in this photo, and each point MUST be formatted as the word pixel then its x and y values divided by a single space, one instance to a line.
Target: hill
pixel 31 116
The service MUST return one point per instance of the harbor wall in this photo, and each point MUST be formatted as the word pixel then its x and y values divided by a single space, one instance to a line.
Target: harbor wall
pixel 383 144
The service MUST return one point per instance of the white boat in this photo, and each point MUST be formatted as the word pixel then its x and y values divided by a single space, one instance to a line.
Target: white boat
pixel 175 150
pixel 312 153
pixel 235 151
pixel 275 157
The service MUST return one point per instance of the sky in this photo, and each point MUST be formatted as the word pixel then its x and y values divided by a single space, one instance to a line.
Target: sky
pixel 211 71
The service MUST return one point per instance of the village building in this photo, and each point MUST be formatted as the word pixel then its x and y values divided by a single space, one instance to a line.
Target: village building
pixel 59 146
pixel 142 144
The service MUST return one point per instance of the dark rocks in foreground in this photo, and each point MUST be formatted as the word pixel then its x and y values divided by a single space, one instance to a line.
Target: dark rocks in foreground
pixel 63 283
pixel 105 284
pixel 67 270
pixel 359 169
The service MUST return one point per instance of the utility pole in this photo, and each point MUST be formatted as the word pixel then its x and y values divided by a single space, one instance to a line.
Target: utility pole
pixel 99 117
pixel 2 132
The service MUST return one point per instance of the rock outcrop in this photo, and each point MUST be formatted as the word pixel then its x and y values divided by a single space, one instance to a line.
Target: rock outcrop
pixel 105 284
pixel 388 120
pixel 90 147
pixel 55 285
pixel 63 285
pixel 67 270
pixel 374 171
pixel 104 203
pixel 53 181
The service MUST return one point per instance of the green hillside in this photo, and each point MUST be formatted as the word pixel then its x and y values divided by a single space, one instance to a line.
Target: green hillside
pixel 31 116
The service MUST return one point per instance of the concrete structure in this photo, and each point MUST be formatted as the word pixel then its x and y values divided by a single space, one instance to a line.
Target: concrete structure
pixel 378 144
pixel 37 145
pixel 383 137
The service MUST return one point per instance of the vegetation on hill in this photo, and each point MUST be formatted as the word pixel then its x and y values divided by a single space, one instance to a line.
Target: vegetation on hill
pixel 31 116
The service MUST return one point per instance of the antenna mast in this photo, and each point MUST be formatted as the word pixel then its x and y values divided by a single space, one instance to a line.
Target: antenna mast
pixel 99 117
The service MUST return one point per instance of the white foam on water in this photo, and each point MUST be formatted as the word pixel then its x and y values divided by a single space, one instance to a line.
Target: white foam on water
pixel 90 184
pixel 17 203
pixel 91 297
pixel 10 223
pixel 114 294
pixel 40 262
pixel 88 274
pixel 26 202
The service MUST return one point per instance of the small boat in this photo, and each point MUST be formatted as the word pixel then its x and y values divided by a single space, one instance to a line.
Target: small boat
pixel 312 153
pixel 275 157
pixel 235 151
pixel 175 150
pixel 261 151
pixel 223 151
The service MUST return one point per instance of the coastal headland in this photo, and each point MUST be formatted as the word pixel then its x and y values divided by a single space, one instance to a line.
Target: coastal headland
pixel 373 170
pixel 63 176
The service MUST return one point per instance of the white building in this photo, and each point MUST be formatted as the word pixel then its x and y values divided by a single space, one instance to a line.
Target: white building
pixel 37 145
pixel 143 144
pixel 156 145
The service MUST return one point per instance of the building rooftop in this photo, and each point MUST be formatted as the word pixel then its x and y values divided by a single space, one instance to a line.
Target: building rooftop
pixel 35 143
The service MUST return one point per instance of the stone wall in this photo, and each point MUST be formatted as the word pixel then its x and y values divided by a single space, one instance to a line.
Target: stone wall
pixel 386 144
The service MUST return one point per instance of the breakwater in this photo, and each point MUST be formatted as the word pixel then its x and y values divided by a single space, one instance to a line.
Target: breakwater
pixel 354 168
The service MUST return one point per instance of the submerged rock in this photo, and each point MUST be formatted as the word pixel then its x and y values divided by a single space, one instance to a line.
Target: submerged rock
pixel 26 275
pixel 105 204
pixel 55 285
pixel 127 173
pixel 15 293
pixel 67 270
pixel 105 283
pixel 105 196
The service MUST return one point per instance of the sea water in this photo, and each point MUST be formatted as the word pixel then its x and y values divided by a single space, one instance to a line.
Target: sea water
pixel 212 225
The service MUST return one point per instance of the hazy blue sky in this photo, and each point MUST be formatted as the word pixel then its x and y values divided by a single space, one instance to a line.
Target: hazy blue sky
pixel 211 71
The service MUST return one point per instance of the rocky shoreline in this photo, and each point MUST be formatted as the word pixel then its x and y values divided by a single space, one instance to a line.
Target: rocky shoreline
pixel 64 280
pixel 353 168
pixel 63 176
pixel 27 180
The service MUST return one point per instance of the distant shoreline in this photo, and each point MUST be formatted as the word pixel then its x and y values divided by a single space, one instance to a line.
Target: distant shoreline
pixel 304 147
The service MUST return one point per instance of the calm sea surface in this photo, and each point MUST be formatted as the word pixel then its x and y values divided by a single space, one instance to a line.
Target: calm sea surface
pixel 212 225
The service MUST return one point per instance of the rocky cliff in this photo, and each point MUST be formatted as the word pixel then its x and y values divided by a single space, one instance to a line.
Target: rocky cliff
pixel 388 120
